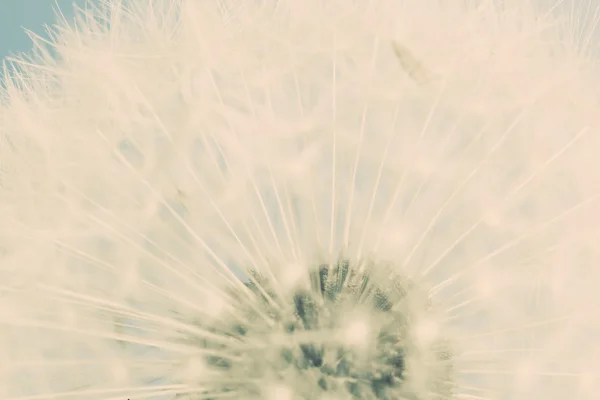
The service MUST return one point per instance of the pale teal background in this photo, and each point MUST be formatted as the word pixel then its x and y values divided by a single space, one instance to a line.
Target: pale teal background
pixel 31 14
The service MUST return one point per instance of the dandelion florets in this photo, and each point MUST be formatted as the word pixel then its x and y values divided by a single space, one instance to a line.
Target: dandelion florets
pixel 345 331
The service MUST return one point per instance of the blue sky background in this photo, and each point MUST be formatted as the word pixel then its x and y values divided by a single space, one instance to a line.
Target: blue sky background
pixel 15 15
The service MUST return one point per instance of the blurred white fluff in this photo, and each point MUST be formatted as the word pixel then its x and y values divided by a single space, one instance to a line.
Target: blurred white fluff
pixel 155 145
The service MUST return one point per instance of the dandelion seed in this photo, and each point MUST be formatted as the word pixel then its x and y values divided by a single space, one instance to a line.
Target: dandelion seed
pixel 413 67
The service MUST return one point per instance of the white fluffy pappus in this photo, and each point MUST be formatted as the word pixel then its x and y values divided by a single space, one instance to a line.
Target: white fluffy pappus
pixel 294 200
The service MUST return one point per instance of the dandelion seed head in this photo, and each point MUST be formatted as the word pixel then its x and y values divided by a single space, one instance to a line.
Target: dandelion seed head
pixel 347 333
pixel 302 199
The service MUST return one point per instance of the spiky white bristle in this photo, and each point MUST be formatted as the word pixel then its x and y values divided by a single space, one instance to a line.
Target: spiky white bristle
pixel 303 199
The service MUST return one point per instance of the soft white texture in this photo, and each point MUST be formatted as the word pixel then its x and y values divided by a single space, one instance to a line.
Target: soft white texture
pixel 156 146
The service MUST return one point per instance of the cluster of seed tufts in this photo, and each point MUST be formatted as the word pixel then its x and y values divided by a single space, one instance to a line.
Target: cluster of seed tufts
pixel 346 334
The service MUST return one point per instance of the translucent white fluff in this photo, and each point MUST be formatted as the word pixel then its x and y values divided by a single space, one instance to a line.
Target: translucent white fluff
pixel 303 199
